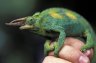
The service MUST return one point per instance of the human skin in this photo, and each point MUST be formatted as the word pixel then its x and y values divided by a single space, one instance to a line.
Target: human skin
pixel 70 53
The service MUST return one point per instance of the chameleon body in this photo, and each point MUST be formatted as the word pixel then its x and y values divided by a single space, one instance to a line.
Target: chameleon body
pixel 60 20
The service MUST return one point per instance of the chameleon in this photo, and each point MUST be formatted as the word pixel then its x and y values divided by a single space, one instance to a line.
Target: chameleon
pixel 58 22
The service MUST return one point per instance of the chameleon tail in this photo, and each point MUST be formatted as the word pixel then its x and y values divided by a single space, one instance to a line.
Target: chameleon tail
pixel 94 56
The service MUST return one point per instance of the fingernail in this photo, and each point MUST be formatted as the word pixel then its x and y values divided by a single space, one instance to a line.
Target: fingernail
pixel 83 59
pixel 88 52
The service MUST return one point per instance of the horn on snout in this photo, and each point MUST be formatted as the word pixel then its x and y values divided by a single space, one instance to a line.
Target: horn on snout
pixel 17 22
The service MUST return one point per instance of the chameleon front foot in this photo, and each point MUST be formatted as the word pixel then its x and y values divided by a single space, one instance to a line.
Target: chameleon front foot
pixel 56 51
pixel 47 47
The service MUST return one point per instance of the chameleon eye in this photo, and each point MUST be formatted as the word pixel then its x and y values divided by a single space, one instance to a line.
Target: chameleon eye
pixel 30 21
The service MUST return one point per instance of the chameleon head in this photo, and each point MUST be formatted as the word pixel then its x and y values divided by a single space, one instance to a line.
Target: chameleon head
pixel 25 22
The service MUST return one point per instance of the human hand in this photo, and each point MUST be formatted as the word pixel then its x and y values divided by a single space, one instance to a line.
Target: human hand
pixel 70 53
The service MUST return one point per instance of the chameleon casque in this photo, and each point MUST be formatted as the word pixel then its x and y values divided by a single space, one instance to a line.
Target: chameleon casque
pixel 59 21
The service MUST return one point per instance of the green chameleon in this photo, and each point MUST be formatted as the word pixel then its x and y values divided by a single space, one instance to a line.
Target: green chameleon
pixel 61 23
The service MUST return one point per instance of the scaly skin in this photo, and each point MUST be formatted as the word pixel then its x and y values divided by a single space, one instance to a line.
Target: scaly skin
pixel 63 21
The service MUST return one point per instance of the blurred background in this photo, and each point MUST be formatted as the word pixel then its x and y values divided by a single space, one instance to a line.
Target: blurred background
pixel 18 46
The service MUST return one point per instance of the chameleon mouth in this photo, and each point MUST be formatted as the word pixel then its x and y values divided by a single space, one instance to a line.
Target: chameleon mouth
pixel 17 22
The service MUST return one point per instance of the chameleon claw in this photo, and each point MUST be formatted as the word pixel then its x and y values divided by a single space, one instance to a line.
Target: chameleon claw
pixel 83 49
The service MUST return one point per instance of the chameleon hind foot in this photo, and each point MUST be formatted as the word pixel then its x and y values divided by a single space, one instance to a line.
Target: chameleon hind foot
pixel 85 47
pixel 89 42
pixel 48 47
